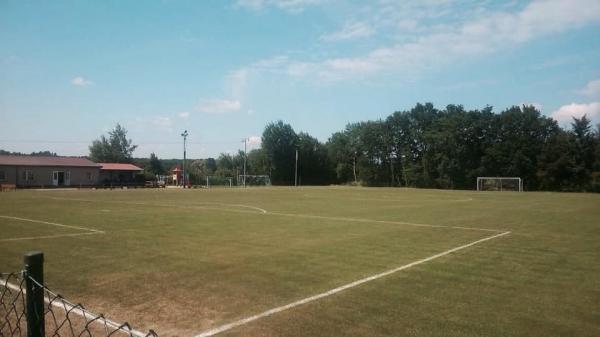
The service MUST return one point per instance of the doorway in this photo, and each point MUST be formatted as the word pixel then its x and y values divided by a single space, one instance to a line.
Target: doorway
pixel 61 178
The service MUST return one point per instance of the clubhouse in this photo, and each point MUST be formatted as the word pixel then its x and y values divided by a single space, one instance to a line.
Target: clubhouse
pixel 55 171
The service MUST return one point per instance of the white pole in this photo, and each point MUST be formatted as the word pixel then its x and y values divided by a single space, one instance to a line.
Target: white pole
pixel 245 156
pixel 296 170
pixel 184 135
pixel 520 185
pixel 207 182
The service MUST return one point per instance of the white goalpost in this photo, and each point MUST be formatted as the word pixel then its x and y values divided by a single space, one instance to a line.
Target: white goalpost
pixel 499 184
pixel 218 181
pixel 254 180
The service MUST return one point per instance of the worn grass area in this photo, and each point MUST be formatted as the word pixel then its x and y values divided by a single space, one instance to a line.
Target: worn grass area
pixel 182 262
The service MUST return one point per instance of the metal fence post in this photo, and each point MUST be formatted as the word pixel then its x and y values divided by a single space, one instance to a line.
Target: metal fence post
pixel 34 269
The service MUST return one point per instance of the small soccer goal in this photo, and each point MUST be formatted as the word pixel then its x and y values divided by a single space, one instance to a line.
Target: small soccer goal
pixel 218 181
pixel 254 180
pixel 499 184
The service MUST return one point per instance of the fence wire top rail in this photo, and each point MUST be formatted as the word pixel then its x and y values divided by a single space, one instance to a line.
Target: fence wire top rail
pixel 62 317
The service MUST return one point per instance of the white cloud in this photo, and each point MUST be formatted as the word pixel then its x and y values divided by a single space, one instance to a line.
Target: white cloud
pixel 184 115
pixel 565 113
pixel 592 89
pixel 292 6
pixel 487 32
pixel 81 82
pixel 162 123
pixel 350 31
pixel 218 106
pixel 254 142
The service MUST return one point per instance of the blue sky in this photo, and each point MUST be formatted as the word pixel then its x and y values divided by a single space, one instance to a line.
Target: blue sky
pixel 69 71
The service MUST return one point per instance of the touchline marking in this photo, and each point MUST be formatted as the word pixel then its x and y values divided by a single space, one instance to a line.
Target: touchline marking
pixel 313 298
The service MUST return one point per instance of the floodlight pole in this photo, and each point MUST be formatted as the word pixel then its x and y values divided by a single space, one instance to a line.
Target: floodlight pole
pixel 184 135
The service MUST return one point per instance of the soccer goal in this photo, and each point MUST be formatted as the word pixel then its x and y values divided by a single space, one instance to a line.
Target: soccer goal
pixel 254 180
pixel 499 184
pixel 218 181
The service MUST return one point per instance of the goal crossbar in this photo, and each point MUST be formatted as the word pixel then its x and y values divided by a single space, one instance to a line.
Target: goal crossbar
pixel 500 183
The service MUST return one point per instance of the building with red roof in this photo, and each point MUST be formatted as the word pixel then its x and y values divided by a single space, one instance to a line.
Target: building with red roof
pixel 118 173
pixel 42 171
pixel 56 171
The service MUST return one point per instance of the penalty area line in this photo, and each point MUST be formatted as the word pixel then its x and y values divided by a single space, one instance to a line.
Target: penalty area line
pixel 89 231
pixel 49 236
pixel 316 297
pixel 50 223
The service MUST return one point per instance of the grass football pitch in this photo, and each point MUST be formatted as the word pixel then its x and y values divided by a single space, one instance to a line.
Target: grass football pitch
pixel 427 262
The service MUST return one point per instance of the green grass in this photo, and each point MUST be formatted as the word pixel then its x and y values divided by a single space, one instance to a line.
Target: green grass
pixel 185 261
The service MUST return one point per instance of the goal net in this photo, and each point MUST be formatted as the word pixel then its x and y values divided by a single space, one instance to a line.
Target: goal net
pixel 254 180
pixel 499 184
pixel 218 181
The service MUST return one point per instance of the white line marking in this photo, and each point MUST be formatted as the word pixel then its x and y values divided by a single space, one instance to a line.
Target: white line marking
pixel 270 312
pixel 263 211
pixel 392 200
pixel 89 231
pixel 50 223
pixel 49 236
pixel 383 221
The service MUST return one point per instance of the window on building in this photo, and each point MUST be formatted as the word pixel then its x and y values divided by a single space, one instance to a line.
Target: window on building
pixel 27 175
pixel 2 175
pixel 89 176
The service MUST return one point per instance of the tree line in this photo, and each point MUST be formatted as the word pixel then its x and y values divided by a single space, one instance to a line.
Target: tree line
pixel 440 148
pixel 421 147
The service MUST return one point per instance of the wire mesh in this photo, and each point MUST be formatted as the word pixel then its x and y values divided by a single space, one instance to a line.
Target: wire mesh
pixel 62 317
pixel 12 305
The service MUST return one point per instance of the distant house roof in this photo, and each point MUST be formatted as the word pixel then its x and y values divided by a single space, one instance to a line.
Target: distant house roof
pixel 119 167
pixel 12 160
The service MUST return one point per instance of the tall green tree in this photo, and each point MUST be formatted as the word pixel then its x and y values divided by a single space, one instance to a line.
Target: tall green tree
pixel 519 137
pixel 114 149
pixel 342 153
pixel 313 163
pixel 556 164
pixel 155 165
pixel 582 137
pixel 280 142
pixel 258 162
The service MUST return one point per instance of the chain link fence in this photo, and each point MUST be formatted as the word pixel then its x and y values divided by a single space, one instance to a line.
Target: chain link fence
pixel 29 309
